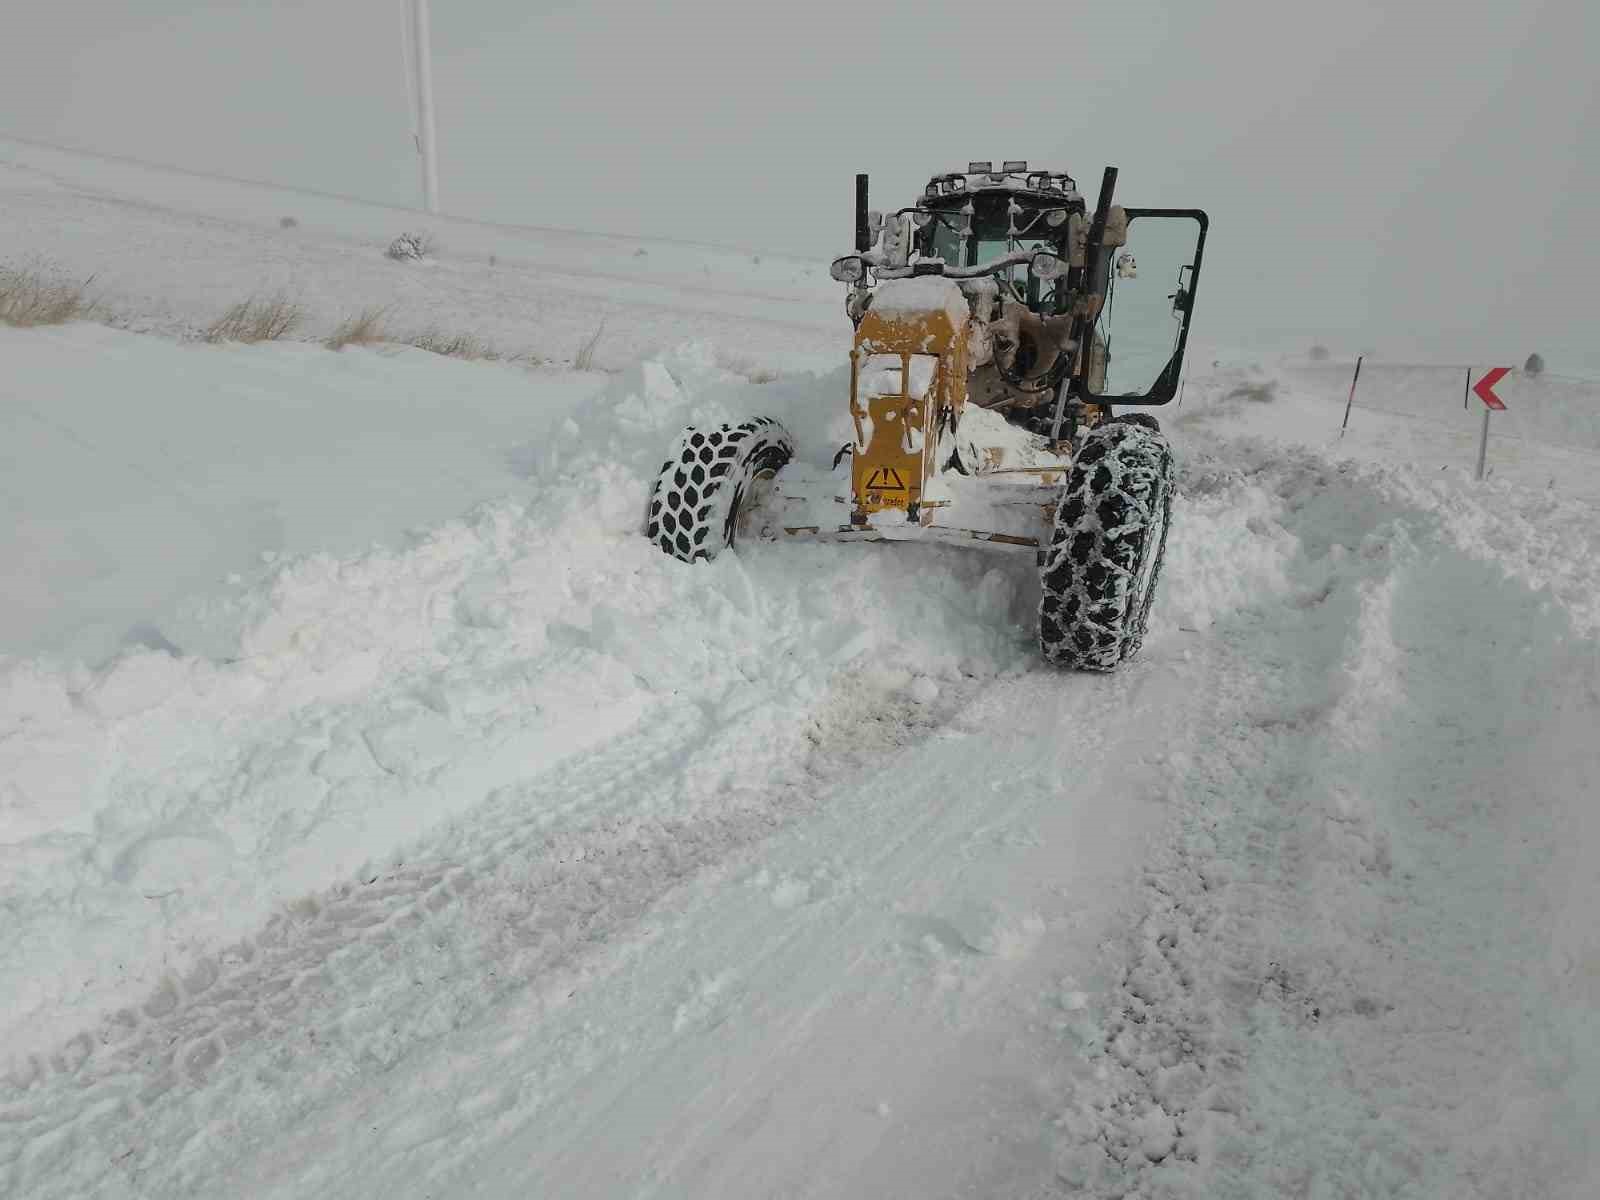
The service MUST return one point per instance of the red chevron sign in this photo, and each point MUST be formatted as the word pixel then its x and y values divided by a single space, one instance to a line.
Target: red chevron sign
pixel 1485 388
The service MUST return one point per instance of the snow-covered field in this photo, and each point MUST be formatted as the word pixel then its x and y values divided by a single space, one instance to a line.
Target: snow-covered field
pixel 380 815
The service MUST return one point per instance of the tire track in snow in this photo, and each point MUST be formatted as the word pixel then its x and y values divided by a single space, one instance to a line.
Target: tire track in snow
pixel 349 980
pixel 270 984
pixel 1261 1001
pixel 1167 1037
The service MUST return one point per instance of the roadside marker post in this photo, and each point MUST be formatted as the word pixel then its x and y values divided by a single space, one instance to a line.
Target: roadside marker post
pixel 1352 399
pixel 1491 403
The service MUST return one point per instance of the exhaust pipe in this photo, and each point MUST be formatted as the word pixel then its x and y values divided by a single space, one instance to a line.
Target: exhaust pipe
pixel 1097 229
pixel 863 228
pixel 1082 328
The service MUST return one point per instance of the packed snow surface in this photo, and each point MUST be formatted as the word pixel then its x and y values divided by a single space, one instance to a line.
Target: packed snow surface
pixel 921 294
pixel 381 816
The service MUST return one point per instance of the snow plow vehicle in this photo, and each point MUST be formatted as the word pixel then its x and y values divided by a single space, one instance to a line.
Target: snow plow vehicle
pixel 1002 330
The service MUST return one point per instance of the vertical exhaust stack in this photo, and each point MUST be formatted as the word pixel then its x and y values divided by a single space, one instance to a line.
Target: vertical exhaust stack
pixel 863 227
pixel 1097 230
pixel 1082 326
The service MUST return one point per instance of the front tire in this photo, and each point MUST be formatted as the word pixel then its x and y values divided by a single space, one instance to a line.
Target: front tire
pixel 1098 577
pixel 694 506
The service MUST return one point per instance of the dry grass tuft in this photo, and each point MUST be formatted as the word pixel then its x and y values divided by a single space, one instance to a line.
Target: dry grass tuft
pixel 466 346
pixel 452 345
pixel 363 329
pixel 256 321
pixel 585 359
pixel 29 298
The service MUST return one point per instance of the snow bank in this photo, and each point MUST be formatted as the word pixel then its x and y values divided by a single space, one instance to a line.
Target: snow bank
pixel 142 473
pixel 164 802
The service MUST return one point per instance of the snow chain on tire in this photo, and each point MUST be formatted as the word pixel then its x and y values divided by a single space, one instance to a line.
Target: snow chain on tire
pixel 1098 576
pixel 694 506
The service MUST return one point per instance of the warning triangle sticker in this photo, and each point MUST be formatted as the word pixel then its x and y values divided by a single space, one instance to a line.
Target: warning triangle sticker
pixel 886 479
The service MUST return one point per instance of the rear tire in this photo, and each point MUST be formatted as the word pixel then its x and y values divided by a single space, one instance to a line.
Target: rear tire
pixel 694 506
pixel 1099 574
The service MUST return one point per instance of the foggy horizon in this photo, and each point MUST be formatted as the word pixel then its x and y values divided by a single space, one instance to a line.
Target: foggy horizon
pixel 1377 176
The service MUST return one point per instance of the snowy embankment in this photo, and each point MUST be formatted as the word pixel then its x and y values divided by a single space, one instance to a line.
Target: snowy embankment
pixel 169 252
pixel 142 473
pixel 511 856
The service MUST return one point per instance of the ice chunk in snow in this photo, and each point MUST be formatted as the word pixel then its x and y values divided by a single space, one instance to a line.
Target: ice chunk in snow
pixel 1157 1133
pixel 136 682
pixel 989 928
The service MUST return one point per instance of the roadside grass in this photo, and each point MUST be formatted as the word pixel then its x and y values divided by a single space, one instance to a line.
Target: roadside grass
pixel 365 328
pixel 255 320
pixel 31 297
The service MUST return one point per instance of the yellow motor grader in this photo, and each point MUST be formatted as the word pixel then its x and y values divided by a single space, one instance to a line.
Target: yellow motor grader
pixel 1002 330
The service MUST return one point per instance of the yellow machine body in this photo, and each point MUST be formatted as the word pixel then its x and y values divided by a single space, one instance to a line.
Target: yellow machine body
pixel 908 372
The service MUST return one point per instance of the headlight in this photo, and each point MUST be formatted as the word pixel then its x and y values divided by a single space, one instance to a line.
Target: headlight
pixel 1047 266
pixel 849 269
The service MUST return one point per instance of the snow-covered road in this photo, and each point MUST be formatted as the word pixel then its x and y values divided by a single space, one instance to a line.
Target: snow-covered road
pixel 508 857
pixel 1250 919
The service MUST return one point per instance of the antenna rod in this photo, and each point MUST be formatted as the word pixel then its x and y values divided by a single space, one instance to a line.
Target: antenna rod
pixel 427 143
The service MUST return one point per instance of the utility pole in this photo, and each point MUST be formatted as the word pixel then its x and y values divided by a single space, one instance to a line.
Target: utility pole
pixel 423 64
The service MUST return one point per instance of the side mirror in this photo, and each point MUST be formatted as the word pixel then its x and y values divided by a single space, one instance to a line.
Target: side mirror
pixel 852 268
pixel 1143 327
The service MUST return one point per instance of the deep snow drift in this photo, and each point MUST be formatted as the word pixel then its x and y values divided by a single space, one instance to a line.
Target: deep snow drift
pixel 472 845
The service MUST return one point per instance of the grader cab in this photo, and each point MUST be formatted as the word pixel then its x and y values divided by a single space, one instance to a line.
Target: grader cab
pixel 1002 332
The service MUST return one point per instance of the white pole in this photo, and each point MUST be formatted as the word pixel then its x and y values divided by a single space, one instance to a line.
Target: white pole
pixel 426 143
pixel 1483 442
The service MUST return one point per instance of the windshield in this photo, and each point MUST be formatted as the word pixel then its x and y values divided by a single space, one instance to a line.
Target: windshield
pixel 992 237
pixel 945 241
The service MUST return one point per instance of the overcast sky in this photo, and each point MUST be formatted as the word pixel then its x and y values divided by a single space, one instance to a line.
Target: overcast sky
pixel 1379 173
